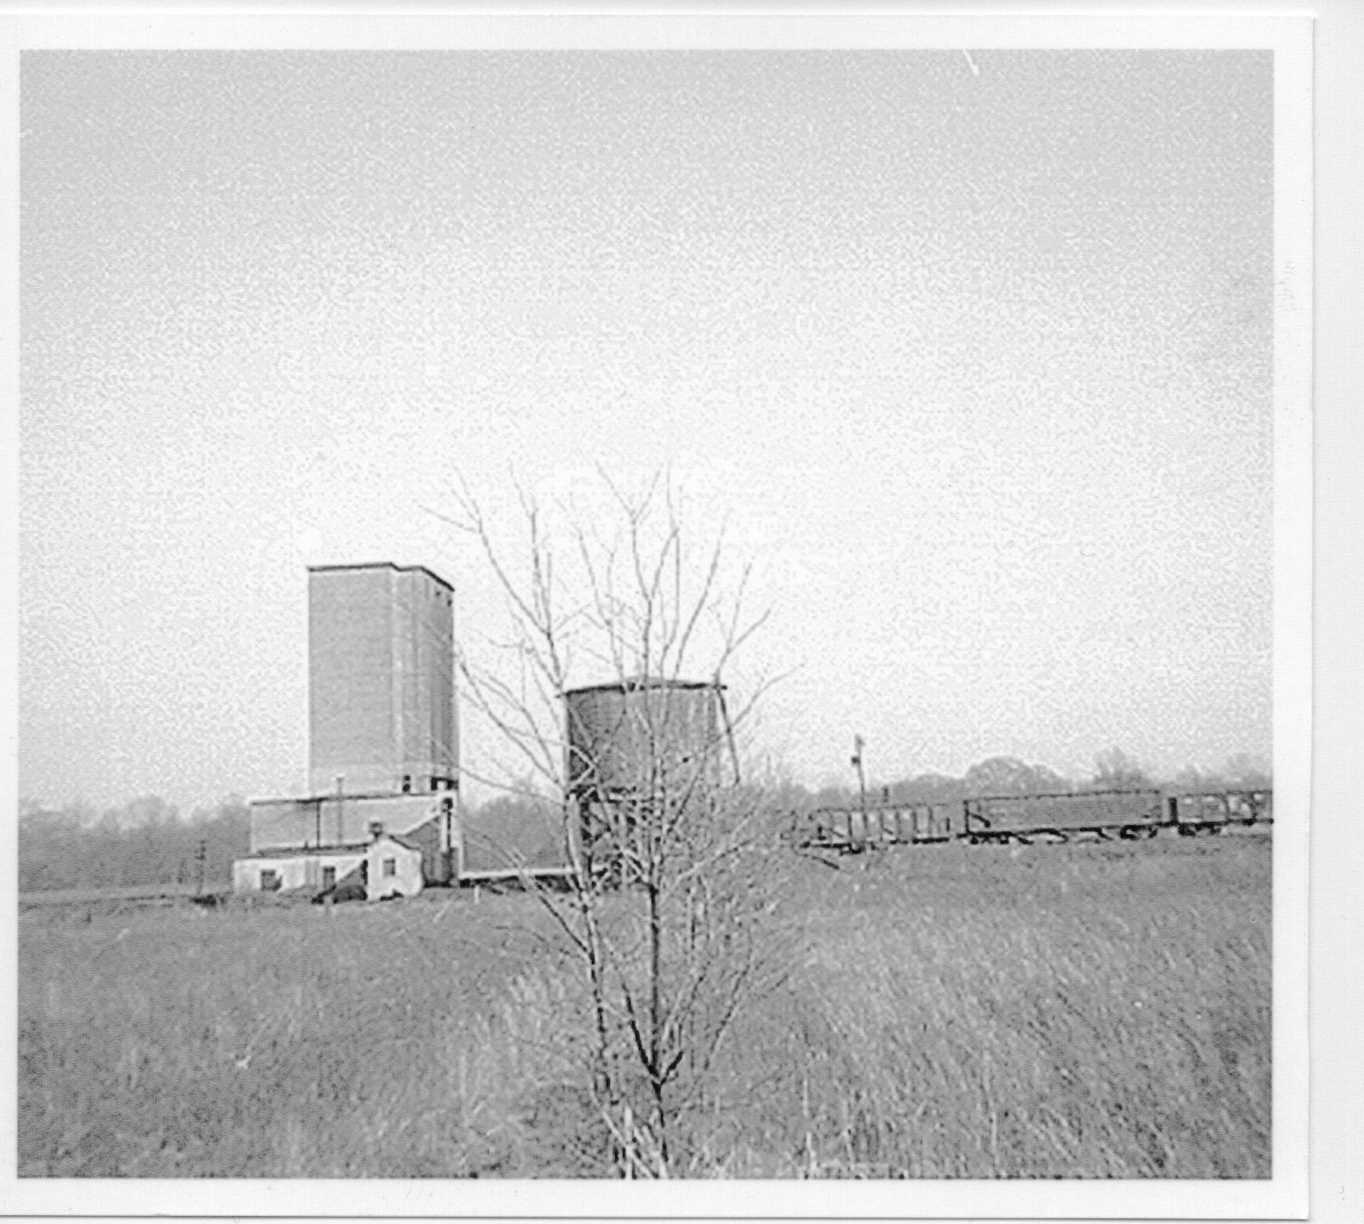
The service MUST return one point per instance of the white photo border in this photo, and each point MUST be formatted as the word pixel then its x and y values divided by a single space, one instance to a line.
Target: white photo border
pixel 1290 37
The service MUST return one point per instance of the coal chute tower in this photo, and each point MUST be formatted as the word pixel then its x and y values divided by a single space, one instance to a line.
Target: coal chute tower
pixel 381 680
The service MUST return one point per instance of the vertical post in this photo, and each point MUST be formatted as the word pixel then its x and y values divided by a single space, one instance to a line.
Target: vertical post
pixel 858 744
pixel 445 840
pixel 457 807
pixel 729 728
pixel 340 788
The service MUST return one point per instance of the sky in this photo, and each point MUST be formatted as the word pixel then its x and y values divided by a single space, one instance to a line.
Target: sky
pixel 970 353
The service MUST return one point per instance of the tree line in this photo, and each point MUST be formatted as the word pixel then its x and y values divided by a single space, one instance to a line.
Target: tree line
pixel 147 841
pixel 1114 769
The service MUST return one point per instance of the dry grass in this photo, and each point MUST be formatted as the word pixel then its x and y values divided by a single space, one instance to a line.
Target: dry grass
pixel 996 1013
pixel 1052 1011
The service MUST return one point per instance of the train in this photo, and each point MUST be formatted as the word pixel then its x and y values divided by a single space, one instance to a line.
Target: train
pixel 1128 815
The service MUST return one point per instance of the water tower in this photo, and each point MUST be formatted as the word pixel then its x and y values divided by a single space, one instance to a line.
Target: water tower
pixel 643 748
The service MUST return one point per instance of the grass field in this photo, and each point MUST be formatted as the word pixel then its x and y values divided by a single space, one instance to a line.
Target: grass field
pixel 1085 1010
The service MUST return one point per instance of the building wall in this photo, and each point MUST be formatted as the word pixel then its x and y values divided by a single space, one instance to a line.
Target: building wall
pixel 295 824
pixel 381 680
pixel 426 740
pixel 293 870
pixel 434 839
pixel 405 879
pixel 307 871
pixel 350 708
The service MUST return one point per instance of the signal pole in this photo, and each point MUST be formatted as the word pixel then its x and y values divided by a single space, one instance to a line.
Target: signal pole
pixel 858 744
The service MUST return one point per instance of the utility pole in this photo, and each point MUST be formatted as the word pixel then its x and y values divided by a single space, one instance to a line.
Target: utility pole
pixel 858 744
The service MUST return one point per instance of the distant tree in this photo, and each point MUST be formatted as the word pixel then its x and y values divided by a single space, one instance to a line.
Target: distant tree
pixel 782 793
pixel 789 796
pixel 142 842
pixel 1048 781
pixel 147 811
pixel 1115 770
pixel 38 821
pixel 1247 771
pixel 926 788
pixel 46 837
pixel 514 829
pixel 1010 776
pixel 226 834
pixel 1191 778
pixel 831 794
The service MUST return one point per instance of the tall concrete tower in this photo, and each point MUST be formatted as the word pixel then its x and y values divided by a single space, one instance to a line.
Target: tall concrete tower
pixel 381 680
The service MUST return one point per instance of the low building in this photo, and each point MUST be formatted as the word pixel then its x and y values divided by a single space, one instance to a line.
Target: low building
pixel 312 871
pixel 390 865
pixel 394 868
pixel 326 824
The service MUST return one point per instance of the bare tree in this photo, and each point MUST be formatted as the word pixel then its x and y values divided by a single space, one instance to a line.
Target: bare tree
pixel 669 909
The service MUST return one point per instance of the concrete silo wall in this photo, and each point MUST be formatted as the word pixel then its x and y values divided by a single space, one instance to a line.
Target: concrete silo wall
pixel 381 680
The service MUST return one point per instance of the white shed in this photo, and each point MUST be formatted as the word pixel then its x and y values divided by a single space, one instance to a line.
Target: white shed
pixel 393 868
pixel 285 873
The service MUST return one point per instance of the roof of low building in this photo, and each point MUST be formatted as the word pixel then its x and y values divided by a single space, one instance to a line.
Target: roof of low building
pixel 292 852
pixel 402 841
pixel 358 797
pixel 289 852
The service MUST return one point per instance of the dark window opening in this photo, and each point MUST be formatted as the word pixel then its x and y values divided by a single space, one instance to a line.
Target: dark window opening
pixel 407 784
pixel 269 881
pixel 390 867
pixel 329 877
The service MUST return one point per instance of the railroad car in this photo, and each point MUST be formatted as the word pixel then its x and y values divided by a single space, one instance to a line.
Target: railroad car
pixel 1130 814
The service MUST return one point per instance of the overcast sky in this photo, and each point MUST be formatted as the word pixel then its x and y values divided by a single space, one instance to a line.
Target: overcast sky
pixel 973 352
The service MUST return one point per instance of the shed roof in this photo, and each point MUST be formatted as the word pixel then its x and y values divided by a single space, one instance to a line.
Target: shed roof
pixel 402 841
pixel 429 796
pixel 292 852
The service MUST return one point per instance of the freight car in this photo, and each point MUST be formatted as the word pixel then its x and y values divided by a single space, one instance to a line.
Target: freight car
pixel 855 829
pixel 1196 812
pixel 1062 816
pixel 1059 817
